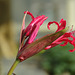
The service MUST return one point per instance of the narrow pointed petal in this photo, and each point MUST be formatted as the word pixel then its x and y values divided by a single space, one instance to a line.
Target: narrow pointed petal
pixel 35 30
pixel 33 23
pixel 55 43
pixel 61 20
pixel 38 45
pixel 23 27
pixel 62 26
pixel 59 40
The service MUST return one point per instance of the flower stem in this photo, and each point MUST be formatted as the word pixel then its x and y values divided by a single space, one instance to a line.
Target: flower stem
pixel 13 67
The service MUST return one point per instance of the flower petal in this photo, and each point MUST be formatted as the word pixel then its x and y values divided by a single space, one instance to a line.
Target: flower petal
pixel 59 40
pixel 29 14
pixel 33 22
pixel 52 23
pixel 54 43
pixel 35 30
pixel 38 45
pixel 22 29
pixel 62 26
pixel 72 50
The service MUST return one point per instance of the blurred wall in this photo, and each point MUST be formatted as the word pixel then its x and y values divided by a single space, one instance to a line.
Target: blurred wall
pixel 4 11
pixel 7 44
pixel 54 9
pixel 71 13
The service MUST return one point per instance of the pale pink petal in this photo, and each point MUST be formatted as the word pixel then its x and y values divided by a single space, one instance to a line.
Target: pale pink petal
pixel 23 27
pixel 51 46
pixel 48 47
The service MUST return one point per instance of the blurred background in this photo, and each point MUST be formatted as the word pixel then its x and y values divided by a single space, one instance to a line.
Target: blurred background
pixel 56 61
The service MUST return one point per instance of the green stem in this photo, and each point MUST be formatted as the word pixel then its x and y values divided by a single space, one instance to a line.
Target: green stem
pixel 13 67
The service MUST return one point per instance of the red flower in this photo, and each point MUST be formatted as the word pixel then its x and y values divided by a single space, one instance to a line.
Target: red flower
pixel 64 37
pixel 32 29
pixel 31 47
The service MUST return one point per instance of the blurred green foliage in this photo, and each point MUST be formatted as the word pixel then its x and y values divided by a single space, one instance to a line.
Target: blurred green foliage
pixel 58 60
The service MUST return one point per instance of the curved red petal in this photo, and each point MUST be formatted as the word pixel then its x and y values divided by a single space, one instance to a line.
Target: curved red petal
pixel 72 50
pixel 29 13
pixel 52 23
pixel 65 43
pixel 62 26
pixel 61 20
